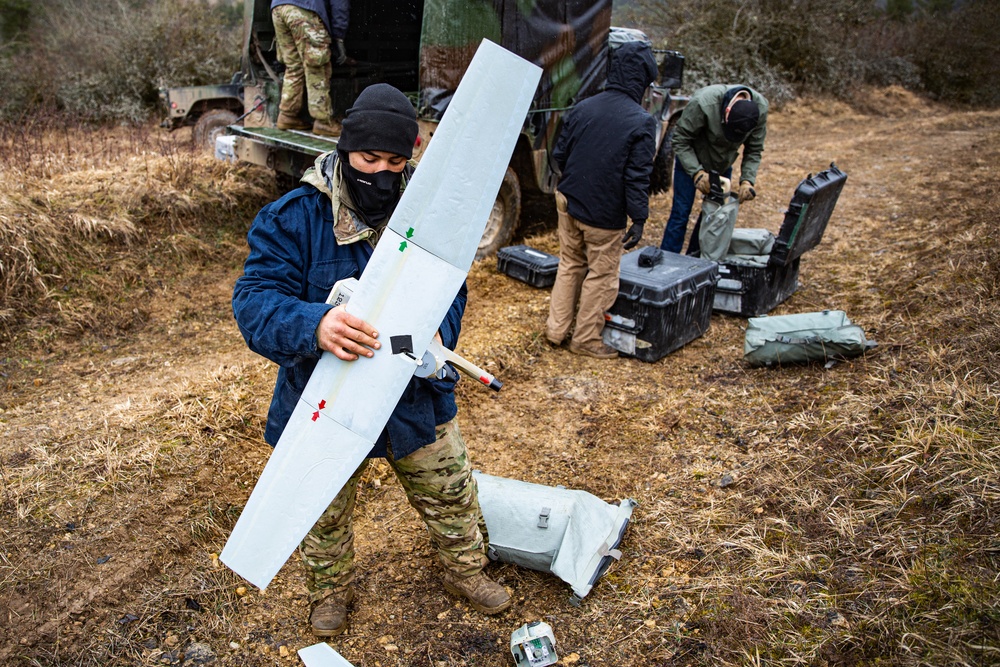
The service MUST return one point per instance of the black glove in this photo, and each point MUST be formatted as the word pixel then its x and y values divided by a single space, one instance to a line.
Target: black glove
pixel 633 235
pixel 341 57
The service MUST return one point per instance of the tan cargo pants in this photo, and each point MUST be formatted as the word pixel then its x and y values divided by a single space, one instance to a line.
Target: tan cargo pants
pixel 438 482
pixel 304 47
pixel 587 278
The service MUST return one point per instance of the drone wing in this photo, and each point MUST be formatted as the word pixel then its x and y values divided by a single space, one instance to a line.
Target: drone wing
pixel 405 291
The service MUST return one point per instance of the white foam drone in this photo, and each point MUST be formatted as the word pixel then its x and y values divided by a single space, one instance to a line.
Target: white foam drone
pixel 405 291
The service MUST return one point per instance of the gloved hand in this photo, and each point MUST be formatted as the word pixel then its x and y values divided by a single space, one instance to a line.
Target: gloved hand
pixel 701 182
pixel 341 52
pixel 633 235
pixel 746 191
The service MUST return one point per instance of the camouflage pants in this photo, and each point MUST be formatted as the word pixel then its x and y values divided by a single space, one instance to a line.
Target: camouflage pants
pixel 304 46
pixel 438 482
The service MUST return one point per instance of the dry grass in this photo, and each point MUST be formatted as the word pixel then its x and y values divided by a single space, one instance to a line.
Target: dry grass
pixel 873 536
pixel 859 521
pixel 139 460
pixel 802 515
pixel 90 216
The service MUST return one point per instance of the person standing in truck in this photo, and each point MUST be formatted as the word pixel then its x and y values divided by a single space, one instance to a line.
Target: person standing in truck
pixel 304 31
pixel 300 246
pixel 717 121
pixel 605 156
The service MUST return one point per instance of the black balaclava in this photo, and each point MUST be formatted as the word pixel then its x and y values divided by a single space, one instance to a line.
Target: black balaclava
pixel 738 118
pixel 374 195
pixel 382 119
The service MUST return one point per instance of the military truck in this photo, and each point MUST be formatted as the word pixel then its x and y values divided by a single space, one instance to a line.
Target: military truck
pixel 423 47
pixel 207 109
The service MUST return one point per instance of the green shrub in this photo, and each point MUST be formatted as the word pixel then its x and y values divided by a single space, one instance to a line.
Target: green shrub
pixel 15 17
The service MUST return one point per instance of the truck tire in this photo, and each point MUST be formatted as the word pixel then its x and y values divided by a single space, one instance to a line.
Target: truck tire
pixel 210 125
pixel 503 218
pixel 663 166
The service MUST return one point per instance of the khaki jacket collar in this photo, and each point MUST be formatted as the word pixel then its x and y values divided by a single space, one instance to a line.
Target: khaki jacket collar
pixel 327 177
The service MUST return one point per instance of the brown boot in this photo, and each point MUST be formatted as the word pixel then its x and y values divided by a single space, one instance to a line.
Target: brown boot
pixel 290 122
pixel 329 615
pixel 596 349
pixel 484 594
pixel 326 128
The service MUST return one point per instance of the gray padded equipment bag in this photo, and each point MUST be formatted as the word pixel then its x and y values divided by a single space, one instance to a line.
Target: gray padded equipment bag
pixel 717 224
pixel 751 241
pixel 803 337
pixel 572 534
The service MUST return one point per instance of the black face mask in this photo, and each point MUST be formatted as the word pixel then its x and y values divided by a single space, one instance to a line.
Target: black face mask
pixel 375 195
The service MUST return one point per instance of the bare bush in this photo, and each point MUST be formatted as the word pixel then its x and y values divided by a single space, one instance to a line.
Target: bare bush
pixel 86 212
pixel 784 48
pixel 958 56
pixel 105 61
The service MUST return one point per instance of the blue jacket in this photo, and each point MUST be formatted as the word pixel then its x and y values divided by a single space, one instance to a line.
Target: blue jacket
pixel 335 14
pixel 279 300
pixel 605 149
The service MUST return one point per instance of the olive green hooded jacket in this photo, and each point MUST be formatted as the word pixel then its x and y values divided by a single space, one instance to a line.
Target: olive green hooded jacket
pixel 699 143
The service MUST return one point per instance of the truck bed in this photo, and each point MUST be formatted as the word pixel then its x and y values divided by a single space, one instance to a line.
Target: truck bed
pixel 297 140
pixel 287 152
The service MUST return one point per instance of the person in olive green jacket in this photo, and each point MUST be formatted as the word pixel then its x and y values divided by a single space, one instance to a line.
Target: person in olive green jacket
pixel 715 123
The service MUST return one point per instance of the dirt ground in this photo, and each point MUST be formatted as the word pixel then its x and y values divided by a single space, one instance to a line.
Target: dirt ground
pixel 124 463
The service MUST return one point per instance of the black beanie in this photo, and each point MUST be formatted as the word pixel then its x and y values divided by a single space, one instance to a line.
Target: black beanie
pixel 382 119
pixel 742 119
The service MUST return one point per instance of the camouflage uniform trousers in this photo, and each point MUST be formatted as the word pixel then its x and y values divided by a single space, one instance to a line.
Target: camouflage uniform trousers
pixel 304 46
pixel 438 482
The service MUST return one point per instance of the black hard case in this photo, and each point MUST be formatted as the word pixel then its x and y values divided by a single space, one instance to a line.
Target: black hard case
pixel 751 290
pixel 660 308
pixel 528 265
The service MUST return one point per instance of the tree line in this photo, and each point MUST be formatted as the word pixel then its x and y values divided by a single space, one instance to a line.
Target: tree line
pixel 95 60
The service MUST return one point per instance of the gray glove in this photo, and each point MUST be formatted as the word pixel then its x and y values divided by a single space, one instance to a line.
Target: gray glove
pixel 633 235
pixel 341 52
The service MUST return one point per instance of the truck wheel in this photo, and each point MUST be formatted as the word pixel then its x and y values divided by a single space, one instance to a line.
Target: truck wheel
pixel 663 166
pixel 209 126
pixel 503 218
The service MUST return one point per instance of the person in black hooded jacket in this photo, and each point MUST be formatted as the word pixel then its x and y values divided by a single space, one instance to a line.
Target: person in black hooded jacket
pixel 605 155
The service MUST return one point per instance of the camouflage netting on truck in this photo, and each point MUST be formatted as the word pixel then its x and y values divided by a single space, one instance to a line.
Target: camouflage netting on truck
pixel 569 40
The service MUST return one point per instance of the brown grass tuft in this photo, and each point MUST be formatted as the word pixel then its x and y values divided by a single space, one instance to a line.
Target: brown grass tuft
pixel 87 213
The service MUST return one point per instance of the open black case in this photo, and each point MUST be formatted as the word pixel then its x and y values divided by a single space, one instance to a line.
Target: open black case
pixel 752 285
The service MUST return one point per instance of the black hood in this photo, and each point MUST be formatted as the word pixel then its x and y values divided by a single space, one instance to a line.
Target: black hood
pixel 632 69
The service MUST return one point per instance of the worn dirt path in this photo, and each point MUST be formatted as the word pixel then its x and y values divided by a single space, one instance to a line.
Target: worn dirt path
pixel 125 463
